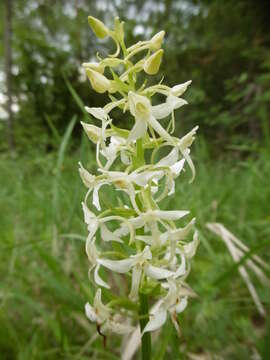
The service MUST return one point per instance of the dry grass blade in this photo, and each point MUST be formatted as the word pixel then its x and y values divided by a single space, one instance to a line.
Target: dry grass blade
pixel 237 250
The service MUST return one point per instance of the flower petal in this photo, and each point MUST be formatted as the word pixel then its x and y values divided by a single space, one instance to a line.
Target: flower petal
pixel 156 320
pixel 178 90
pixel 177 167
pixel 108 235
pixel 171 214
pixel 170 159
pixel 98 279
pixel 98 112
pixel 157 273
pixel 119 266
pixel 138 130
pixel 181 306
pixel 90 312
pixel 190 248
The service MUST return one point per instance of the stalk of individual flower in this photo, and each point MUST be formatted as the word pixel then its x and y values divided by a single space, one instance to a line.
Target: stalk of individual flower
pixel 141 164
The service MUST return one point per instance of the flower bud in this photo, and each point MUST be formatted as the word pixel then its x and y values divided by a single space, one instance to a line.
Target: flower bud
pixel 156 41
pixel 94 66
pixel 119 29
pixel 152 64
pixel 98 81
pixel 98 27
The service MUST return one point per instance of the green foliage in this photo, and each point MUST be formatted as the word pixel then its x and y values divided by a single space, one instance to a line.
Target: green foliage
pixel 44 282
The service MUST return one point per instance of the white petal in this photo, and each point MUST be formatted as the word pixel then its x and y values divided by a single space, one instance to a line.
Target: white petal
pixel 156 320
pixel 174 102
pixel 181 306
pixel 90 312
pixel 177 167
pixel 143 178
pixel 98 279
pixel 157 273
pixel 89 216
pixel 170 159
pixel 190 163
pixel 96 197
pixel 102 311
pixel 159 129
pixel 124 158
pixel 119 266
pixel 170 215
pixel 190 248
pixel 181 233
pixel 182 268
pixel 145 238
pixel 97 112
pixel 87 178
pixel 108 235
pixel 178 90
pixel 91 250
pixel 138 130
pixel 161 111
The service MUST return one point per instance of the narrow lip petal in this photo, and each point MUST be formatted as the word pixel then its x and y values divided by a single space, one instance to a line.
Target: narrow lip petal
pixel 170 214
pixel 156 320
pixel 138 130
pixel 119 266
pixel 170 159
pixel 157 273
pixel 98 279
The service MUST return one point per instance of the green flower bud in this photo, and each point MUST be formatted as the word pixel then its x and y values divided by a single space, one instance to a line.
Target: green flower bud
pixel 152 64
pixel 94 66
pixel 98 81
pixel 156 41
pixel 98 27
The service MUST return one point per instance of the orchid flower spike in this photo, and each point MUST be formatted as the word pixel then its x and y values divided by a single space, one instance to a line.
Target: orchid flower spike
pixel 129 235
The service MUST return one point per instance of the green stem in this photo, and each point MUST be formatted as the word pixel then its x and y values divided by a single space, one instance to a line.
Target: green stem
pixel 146 338
pixel 139 157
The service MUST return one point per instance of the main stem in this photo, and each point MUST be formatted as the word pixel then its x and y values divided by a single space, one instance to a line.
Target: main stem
pixel 144 318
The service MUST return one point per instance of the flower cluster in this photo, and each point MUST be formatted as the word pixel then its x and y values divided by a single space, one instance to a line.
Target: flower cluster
pixel 136 237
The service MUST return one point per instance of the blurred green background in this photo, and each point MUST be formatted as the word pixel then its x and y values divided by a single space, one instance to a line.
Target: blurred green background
pixel 224 47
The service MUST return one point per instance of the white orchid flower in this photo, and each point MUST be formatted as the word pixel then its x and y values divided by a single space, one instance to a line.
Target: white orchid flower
pixel 146 115
pixel 152 249
pixel 138 263
pixel 184 144
pixel 175 302
pixel 95 222
pixel 110 152
pixel 150 219
pixel 102 316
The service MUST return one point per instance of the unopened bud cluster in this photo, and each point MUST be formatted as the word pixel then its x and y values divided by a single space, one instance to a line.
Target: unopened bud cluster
pixel 136 238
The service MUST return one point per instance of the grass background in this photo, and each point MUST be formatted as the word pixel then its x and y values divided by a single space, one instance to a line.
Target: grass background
pixel 43 266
